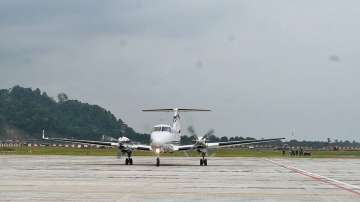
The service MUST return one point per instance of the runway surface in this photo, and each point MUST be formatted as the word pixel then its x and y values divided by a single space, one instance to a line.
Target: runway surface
pixel 68 178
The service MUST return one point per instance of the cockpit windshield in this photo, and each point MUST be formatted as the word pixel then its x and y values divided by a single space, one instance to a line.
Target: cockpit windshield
pixel 168 129
pixel 162 128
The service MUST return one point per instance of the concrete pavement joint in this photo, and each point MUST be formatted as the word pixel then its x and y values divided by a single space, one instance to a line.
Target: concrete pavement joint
pixel 342 185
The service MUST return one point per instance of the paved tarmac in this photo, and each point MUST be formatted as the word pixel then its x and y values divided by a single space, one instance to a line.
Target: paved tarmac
pixel 69 178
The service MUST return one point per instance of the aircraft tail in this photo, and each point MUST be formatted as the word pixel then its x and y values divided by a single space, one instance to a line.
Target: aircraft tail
pixel 176 118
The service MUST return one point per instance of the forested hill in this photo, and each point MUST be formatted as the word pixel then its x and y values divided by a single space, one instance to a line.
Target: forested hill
pixel 24 112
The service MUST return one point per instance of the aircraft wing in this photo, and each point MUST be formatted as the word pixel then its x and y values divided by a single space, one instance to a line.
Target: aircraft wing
pixel 140 147
pixel 110 144
pixel 214 145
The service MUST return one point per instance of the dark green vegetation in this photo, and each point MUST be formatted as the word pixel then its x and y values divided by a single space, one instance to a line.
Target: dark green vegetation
pixel 218 153
pixel 25 112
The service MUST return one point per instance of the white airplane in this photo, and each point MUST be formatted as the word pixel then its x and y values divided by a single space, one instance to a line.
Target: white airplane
pixel 165 138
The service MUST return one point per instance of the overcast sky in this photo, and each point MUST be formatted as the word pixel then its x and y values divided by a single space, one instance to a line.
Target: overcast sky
pixel 265 68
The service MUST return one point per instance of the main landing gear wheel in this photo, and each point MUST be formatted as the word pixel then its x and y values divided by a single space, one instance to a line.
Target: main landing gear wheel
pixel 128 161
pixel 203 160
pixel 157 161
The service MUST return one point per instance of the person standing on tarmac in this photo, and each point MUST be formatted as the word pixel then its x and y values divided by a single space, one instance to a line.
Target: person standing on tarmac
pixel 301 151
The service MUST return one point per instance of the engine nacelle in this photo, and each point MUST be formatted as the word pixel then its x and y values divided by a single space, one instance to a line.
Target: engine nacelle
pixel 200 142
pixel 124 139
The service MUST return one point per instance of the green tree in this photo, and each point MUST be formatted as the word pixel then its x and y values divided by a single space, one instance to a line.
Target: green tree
pixel 62 97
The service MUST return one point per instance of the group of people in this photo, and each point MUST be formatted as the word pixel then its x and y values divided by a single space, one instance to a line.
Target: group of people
pixel 294 152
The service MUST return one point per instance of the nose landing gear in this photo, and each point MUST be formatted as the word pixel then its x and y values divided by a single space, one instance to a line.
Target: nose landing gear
pixel 157 161
pixel 203 162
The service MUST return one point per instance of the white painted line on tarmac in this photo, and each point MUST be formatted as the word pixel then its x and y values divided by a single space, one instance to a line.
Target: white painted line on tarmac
pixel 341 185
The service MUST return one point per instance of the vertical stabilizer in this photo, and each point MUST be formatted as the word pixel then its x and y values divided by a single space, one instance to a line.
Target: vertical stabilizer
pixel 176 127
pixel 176 122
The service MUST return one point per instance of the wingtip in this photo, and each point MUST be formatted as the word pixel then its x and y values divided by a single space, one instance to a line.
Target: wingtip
pixel 43 135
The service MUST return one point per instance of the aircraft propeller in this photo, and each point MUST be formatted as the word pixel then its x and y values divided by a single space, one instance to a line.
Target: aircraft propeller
pixel 201 141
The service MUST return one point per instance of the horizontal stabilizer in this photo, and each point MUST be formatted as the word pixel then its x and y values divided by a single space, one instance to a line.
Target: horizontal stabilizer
pixel 176 109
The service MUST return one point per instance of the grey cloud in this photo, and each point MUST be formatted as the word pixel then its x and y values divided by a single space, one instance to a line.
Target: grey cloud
pixel 262 66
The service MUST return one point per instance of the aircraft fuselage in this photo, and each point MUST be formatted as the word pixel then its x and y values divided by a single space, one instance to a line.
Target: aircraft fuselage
pixel 163 139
